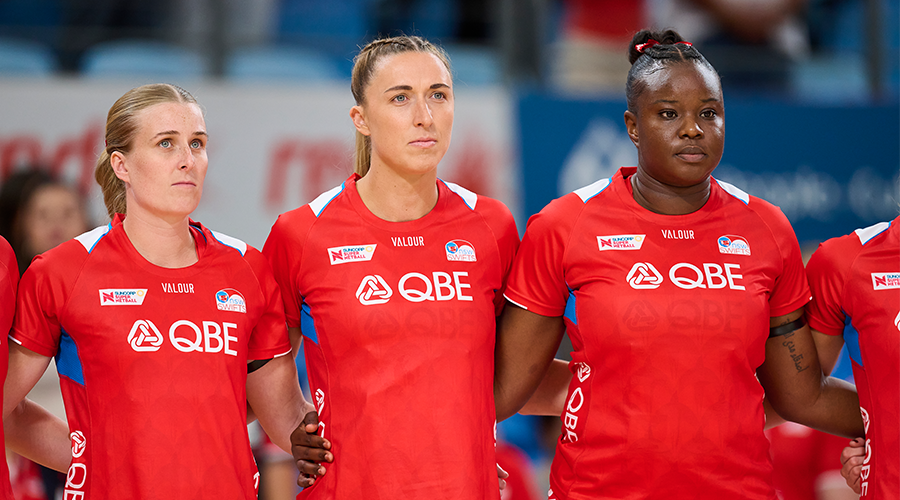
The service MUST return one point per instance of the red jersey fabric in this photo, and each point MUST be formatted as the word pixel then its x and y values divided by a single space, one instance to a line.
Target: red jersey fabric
pixel 855 281
pixel 669 317
pixel 399 322
pixel 153 361
pixel 9 279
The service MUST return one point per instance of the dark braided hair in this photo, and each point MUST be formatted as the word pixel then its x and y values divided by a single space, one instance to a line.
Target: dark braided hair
pixel 649 50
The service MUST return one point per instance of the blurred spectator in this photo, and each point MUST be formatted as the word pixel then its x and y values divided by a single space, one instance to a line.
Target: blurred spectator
pixel 751 43
pixel 89 22
pixel 807 464
pixel 520 485
pixel 590 58
pixel 38 212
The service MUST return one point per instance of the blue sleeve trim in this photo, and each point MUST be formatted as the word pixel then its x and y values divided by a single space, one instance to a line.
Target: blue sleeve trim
pixel 68 363
pixel 307 324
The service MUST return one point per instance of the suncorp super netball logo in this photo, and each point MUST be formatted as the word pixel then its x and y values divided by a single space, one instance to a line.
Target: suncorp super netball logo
pixel 122 296
pixel 885 281
pixel 621 242
pixel 352 253
pixel 229 299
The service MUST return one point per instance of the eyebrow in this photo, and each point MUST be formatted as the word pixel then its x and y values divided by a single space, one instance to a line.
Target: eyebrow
pixel 672 101
pixel 408 87
pixel 175 132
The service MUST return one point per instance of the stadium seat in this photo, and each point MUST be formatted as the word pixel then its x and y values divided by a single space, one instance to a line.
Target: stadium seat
pixel 282 63
pixel 25 58
pixel 474 66
pixel 142 59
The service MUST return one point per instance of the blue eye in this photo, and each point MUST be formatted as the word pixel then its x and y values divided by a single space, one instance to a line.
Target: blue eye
pixel 196 144
pixel 165 143
pixel 439 95
pixel 400 98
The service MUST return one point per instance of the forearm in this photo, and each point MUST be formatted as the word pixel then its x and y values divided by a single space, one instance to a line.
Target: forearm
pixel 273 394
pixel 835 411
pixel 550 396
pixel 526 344
pixel 35 433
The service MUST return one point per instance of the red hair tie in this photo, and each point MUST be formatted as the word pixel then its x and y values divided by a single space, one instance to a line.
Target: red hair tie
pixel 641 47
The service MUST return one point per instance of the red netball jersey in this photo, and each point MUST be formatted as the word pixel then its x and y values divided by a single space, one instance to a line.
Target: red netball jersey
pixel 9 278
pixel 153 361
pixel 399 322
pixel 855 281
pixel 669 317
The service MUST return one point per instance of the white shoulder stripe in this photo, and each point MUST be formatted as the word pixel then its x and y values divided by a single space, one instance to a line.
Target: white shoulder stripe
pixel 734 191
pixel 468 196
pixel 324 199
pixel 226 240
pixel 591 190
pixel 89 239
pixel 867 233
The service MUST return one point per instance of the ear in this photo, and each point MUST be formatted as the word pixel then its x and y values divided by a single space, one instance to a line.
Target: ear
pixel 357 114
pixel 117 162
pixel 631 127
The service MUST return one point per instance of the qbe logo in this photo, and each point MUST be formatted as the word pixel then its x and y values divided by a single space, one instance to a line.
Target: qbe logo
pixel 185 336
pixel 373 290
pixel 687 276
pixel 643 276
pixel 320 400
pixel 416 287
pixel 79 443
pixel 144 336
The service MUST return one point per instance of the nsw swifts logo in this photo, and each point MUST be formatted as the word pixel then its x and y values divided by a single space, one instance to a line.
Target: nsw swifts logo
pixel 731 244
pixel 229 299
pixel 460 251
pixel 373 290
pixel 122 296
pixel 621 242
pixel 643 276
pixel 352 253
pixel 885 281
pixel 144 336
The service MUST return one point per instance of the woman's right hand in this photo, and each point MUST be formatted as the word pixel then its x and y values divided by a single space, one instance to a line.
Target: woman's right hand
pixel 310 450
pixel 852 461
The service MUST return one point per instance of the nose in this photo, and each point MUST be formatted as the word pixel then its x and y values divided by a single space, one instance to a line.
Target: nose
pixel 690 128
pixel 187 158
pixel 423 117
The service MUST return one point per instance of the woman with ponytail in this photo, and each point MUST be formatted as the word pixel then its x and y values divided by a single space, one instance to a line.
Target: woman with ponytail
pixel 393 280
pixel 684 299
pixel 163 330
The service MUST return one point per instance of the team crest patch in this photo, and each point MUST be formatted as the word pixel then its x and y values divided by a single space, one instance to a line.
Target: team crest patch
pixel 229 299
pixel 460 251
pixel 885 281
pixel 352 253
pixel 733 245
pixel 122 296
pixel 621 242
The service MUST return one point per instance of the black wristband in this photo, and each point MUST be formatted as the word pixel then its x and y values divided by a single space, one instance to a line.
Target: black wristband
pixel 778 331
pixel 256 364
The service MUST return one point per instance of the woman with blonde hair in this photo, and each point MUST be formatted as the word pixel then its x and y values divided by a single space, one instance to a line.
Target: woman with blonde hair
pixel 163 330
pixel 393 280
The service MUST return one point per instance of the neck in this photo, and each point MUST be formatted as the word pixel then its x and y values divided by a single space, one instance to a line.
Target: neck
pixel 665 199
pixel 166 244
pixel 397 198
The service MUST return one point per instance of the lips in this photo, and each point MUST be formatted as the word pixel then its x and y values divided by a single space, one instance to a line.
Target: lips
pixel 423 142
pixel 691 154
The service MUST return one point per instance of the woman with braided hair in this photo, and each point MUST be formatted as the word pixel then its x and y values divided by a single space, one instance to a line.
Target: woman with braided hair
pixel 393 280
pixel 684 300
